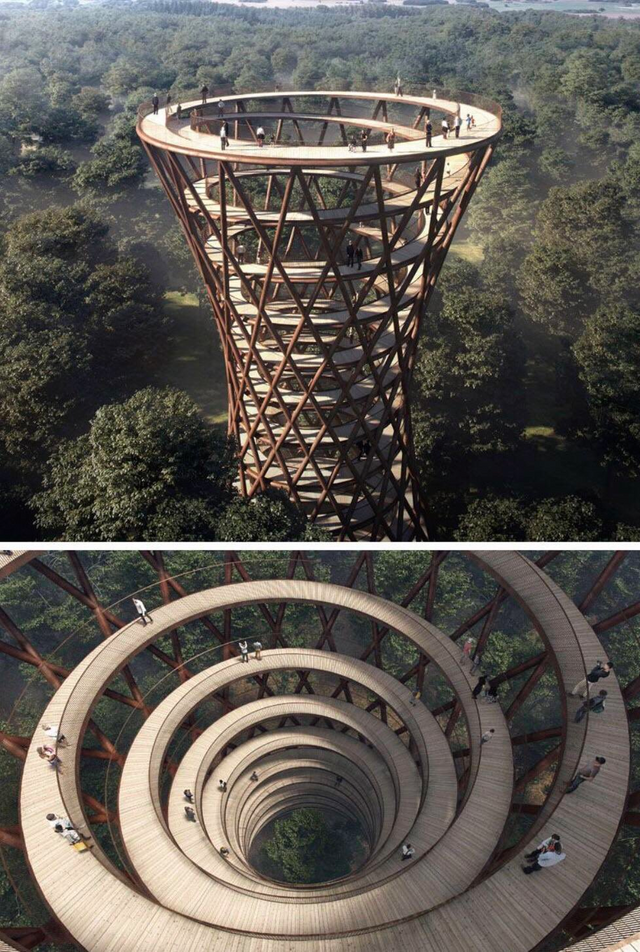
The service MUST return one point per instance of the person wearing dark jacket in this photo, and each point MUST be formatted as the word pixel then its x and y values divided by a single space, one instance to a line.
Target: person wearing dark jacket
pixel 596 674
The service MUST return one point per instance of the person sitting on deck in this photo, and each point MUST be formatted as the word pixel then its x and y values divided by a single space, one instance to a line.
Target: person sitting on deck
pixel 543 847
pixel 594 705
pixel 240 253
pixel 407 851
pixel 48 753
pixel 552 857
pixel 53 731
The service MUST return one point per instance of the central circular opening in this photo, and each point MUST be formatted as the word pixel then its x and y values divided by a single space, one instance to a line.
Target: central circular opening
pixel 309 845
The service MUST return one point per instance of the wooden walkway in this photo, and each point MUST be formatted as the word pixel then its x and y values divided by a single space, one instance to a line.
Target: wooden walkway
pixel 427 905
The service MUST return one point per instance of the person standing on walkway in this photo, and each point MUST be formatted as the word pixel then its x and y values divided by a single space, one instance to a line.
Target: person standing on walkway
pixel 407 851
pixel 417 177
pixel 350 249
pixel 359 257
pixel 391 140
pixel 476 661
pixel 143 614
pixel 244 652
pixel 468 121
pixel 240 253
pixel 596 674
pixel 428 132
pixel 257 650
pixel 220 109
pixel 260 134
pixel 204 92
pixel 254 775
pixel 594 705
pixel 467 648
pixel 482 680
pixel 445 128
pixel 457 122
pixel 364 135
pixel 543 847
pixel 552 857
pixel 224 135
pixel 586 773
pixel 155 102
pixel 487 736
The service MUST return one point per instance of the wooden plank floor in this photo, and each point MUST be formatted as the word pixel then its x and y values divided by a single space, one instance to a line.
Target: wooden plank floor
pixel 105 913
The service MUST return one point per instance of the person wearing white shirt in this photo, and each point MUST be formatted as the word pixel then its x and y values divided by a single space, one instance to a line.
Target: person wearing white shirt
pixel 457 122
pixel 543 846
pixel 260 134
pixel 143 614
pixel 53 731
pixel 244 652
pixel 487 736
pixel 407 851
pixel 551 857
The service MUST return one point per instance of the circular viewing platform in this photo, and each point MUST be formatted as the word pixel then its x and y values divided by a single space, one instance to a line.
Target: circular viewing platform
pixel 323 122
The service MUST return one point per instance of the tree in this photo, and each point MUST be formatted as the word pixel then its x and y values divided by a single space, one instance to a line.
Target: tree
pixel 73 319
pixel 500 519
pixel 149 468
pixel 268 517
pixel 467 374
pixel 305 850
pixel 48 160
pixel 581 255
pixel 117 162
pixel 570 519
pixel 608 357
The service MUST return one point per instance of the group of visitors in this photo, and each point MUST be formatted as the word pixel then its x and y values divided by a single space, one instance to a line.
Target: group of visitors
pixel 354 255
pixel 244 651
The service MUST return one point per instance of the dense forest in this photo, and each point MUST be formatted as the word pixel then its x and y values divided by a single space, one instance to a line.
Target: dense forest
pixel 526 393
pixel 63 630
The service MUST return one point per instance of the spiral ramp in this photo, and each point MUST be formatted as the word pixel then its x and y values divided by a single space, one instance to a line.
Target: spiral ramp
pixel 398 781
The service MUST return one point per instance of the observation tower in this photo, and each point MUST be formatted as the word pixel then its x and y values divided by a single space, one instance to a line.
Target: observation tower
pixel 319 348
pixel 396 722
